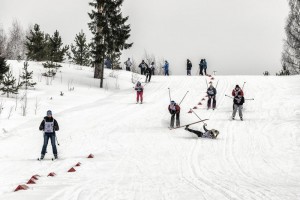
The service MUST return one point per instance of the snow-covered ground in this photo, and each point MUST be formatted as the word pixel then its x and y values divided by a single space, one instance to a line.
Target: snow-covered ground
pixel 136 155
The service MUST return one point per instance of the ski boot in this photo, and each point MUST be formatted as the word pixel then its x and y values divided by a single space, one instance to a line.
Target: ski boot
pixel 42 157
pixel 241 118
pixel 55 156
pixel 232 118
pixel 186 127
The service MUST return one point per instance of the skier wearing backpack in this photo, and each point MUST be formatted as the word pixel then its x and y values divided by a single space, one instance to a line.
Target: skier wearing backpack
pixel 166 67
pixel 143 67
pixel 237 91
pixel 49 125
pixel 139 92
pixel 213 134
pixel 211 93
pixel 188 67
pixel 148 72
pixel 174 109
pixel 128 64
pixel 238 102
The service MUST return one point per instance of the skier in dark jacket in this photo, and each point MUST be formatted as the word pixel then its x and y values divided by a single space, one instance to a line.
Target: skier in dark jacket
pixel 174 109
pixel 49 125
pixel 204 66
pixel 188 67
pixel 213 134
pixel 201 67
pixel 211 93
pixel 143 67
pixel 148 73
pixel 238 102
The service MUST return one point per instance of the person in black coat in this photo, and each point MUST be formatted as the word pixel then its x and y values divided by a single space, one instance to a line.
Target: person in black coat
pixel 238 102
pixel 188 67
pixel 143 67
pixel 211 93
pixel 148 73
pixel 49 125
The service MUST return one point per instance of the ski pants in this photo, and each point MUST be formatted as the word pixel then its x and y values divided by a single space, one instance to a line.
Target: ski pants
pixel 148 77
pixel 48 136
pixel 188 72
pixel 235 108
pixel 152 71
pixel 166 72
pixel 198 133
pixel 209 101
pixel 139 95
pixel 173 120
pixel 142 71
pixel 201 71
pixel 127 68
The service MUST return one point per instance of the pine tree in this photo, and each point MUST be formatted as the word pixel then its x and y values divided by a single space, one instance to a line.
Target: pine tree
pixel 81 50
pixel 27 77
pixel 9 84
pixel 109 30
pixel 3 68
pixel 35 44
pixel 291 53
pixel 56 52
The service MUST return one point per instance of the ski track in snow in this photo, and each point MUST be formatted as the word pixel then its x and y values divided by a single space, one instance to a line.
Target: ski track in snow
pixel 138 158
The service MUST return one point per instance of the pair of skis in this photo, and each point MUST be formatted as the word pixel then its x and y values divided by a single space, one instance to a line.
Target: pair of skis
pixel 187 124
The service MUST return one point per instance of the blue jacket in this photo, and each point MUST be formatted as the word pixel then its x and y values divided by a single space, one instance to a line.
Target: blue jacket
pixel 166 66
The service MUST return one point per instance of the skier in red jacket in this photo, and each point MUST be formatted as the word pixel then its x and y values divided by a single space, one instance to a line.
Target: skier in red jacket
pixel 139 92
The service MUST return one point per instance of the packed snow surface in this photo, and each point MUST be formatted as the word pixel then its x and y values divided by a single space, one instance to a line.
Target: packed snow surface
pixel 136 156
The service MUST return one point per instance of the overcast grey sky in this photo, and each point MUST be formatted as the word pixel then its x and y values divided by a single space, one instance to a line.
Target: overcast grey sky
pixel 235 36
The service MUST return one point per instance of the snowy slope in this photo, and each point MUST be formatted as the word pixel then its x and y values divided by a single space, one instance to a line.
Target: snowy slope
pixel 137 156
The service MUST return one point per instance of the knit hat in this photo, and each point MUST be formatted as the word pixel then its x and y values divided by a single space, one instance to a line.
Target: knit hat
pixel 49 112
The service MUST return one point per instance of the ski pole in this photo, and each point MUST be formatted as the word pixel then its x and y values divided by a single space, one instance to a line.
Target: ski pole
pixel 169 93
pixel 197 115
pixel 217 84
pixel 56 140
pixel 250 99
pixel 183 97
pixel 243 85
pixel 206 83
pixel 228 96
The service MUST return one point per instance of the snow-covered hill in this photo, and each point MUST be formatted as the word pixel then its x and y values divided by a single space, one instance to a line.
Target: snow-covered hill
pixel 136 155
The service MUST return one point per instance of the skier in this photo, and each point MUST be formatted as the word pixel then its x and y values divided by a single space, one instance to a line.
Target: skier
pixel 174 109
pixel 49 125
pixel 148 72
pixel 204 66
pixel 188 67
pixel 238 102
pixel 211 92
pixel 152 66
pixel 139 92
pixel 213 134
pixel 128 64
pixel 201 67
pixel 143 66
pixel 166 67
pixel 107 63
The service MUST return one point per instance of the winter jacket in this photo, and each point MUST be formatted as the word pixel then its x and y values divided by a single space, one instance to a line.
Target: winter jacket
pixel 204 64
pixel 189 65
pixel 49 119
pixel 139 88
pixel 166 66
pixel 174 109
pixel 211 91
pixel 239 100
pixel 107 63
pixel 143 65
pixel 207 133
pixel 128 63
pixel 152 66
pixel 148 70
pixel 237 92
